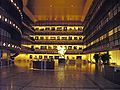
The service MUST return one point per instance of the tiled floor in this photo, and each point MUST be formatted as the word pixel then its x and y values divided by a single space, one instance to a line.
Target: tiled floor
pixel 68 77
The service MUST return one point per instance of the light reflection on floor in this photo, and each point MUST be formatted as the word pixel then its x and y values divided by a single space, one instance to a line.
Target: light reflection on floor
pixel 79 66
pixel 78 76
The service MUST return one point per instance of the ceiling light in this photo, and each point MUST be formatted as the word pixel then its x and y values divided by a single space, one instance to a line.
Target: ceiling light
pixel 8 45
pixel 0 16
pixel 10 22
pixel 13 24
pixel 12 45
pixel 5 19
pixel 15 4
pixel 17 7
pixel 11 0
pixel 4 44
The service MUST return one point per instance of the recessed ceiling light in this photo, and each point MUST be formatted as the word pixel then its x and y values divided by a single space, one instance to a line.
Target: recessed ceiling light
pixel 11 0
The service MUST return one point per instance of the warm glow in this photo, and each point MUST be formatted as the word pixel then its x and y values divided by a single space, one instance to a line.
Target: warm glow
pixel 57 9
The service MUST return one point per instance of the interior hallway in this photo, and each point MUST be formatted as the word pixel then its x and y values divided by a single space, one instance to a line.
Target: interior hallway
pixel 82 76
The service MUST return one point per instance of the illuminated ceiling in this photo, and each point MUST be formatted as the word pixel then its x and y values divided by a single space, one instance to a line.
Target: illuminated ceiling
pixel 57 9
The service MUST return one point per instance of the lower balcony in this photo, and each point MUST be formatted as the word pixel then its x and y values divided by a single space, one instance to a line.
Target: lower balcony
pixel 8 43
pixel 55 51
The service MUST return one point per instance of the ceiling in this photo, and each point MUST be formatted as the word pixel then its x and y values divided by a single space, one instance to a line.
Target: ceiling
pixel 61 10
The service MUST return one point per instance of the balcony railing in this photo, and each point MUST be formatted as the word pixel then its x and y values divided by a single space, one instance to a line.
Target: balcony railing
pixel 55 51
pixel 75 42
pixel 8 43
pixel 26 49
pixel 48 32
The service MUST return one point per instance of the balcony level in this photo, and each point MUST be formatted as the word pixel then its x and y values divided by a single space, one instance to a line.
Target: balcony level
pixel 8 43
pixel 55 51
pixel 48 32
pixel 58 42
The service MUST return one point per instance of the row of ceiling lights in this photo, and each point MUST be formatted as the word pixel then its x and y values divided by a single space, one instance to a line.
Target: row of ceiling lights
pixel 11 45
pixel 17 8
pixel 5 19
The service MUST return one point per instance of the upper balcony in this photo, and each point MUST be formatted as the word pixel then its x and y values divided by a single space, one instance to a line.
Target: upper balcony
pixel 13 8
pixel 58 30
pixel 10 25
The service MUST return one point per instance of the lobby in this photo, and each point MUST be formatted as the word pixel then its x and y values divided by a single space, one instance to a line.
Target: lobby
pixel 59 44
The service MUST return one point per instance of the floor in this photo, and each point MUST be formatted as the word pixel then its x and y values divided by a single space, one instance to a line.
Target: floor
pixel 81 76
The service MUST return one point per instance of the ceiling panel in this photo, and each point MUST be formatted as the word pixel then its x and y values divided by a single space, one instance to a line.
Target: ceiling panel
pixel 58 9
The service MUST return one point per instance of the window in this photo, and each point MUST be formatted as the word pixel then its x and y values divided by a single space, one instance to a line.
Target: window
pixel 59 28
pixel 41 38
pixel 70 47
pixel 49 47
pixel 30 56
pixel 65 29
pixel 52 28
pixel 46 38
pixel 70 37
pixel 47 28
pixel 54 47
pixel 53 38
pixel 75 47
pixel 40 57
pixel 45 57
pixel 80 48
pixel 36 38
pixel 64 38
pixel 58 37
pixel 43 47
pixel 75 38
pixel 80 38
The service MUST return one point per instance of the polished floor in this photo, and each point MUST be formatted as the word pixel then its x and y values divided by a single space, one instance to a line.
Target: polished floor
pixel 81 76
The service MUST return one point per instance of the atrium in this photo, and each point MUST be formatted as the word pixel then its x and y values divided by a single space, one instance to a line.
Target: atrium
pixel 59 44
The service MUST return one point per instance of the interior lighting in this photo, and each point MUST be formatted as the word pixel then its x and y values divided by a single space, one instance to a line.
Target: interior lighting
pixel 8 45
pixel 15 4
pixel 0 16
pixel 5 19
pixel 11 0
pixel 10 22
pixel 18 8
pixel 12 45
pixel 16 26
pixel 13 24
pixel 4 44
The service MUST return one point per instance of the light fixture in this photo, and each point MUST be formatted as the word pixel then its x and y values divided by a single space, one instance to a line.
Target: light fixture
pixel 4 44
pixel 19 11
pixel 10 22
pixel 5 19
pixel 8 45
pixel 12 45
pixel 15 46
pixel 0 16
pixel 15 4
pixel 17 7
pixel 13 24
pixel 11 0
